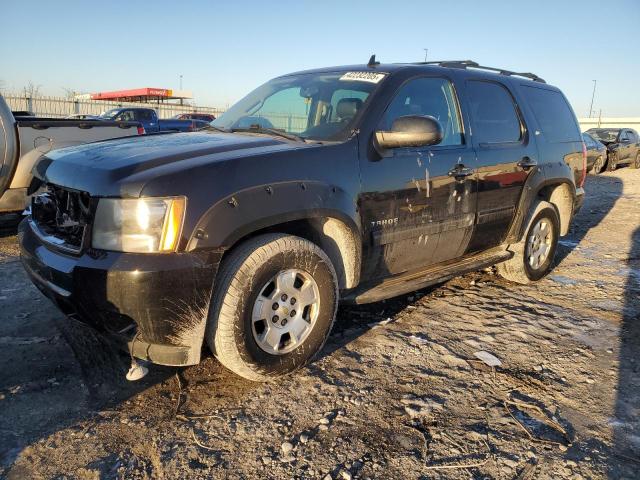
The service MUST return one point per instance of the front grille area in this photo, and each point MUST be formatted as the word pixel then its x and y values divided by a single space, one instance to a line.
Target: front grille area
pixel 61 216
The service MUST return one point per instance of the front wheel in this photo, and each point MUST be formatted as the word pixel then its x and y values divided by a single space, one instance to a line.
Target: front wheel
pixel 611 163
pixel 598 165
pixel 273 307
pixel 534 254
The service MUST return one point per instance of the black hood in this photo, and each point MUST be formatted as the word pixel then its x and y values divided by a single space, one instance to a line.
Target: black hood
pixel 121 167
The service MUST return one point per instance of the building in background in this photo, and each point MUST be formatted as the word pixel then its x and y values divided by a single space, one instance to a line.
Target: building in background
pixel 144 95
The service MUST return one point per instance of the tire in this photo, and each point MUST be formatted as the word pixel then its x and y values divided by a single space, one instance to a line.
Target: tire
pixel 598 165
pixel 249 285
pixel 636 162
pixel 611 162
pixel 520 268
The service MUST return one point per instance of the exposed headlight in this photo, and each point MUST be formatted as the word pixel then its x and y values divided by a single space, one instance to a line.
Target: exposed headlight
pixel 138 225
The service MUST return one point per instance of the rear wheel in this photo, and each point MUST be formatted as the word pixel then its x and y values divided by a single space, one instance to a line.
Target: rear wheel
pixel 598 165
pixel 611 162
pixel 636 162
pixel 534 254
pixel 273 307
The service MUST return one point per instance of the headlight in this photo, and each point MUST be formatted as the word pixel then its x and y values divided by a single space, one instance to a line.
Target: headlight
pixel 138 225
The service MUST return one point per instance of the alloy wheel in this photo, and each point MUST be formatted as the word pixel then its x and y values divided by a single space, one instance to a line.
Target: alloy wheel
pixel 285 311
pixel 539 243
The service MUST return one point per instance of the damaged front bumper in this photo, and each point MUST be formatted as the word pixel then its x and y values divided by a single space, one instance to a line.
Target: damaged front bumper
pixel 158 303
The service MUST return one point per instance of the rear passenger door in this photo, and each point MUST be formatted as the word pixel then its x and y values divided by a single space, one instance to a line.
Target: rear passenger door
pixel 418 204
pixel 505 156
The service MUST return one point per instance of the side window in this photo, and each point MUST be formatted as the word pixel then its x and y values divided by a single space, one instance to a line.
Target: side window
pixel 623 136
pixel 495 119
pixel 553 113
pixel 125 116
pixel 428 96
pixel 143 115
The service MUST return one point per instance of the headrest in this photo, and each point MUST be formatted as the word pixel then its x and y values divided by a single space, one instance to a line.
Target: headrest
pixel 348 107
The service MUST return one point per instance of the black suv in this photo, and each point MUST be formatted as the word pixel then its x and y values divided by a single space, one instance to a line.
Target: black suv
pixel 623 146
pixel 352 183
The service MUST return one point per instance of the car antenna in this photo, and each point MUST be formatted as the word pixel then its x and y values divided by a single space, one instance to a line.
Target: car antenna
pixel 372 61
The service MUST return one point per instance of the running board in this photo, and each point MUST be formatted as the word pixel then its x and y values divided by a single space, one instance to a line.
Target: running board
pixel 416 280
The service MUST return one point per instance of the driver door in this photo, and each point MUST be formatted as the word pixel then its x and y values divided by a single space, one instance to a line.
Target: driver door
pixel 418 205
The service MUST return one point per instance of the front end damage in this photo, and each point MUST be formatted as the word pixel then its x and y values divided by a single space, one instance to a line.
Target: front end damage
pixel 155 304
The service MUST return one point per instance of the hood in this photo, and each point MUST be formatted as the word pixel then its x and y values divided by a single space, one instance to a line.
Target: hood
pixel 120 167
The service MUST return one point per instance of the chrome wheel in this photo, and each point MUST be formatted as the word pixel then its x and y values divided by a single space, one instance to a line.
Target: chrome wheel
pixel 285 311
pixel 539 243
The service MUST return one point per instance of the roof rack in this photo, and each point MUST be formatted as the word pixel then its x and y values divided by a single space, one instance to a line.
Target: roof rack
pixel 471 64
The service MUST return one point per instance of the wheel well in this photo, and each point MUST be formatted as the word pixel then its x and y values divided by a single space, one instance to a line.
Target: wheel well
pixel 333 236
pixel 562 197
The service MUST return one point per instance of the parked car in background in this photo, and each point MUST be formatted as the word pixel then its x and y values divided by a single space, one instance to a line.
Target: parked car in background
pixel 205 117
pixel 247 237
pixel 24 139
pixel 596 154
pixel 623 146
pixel 82 116
pixel 148 117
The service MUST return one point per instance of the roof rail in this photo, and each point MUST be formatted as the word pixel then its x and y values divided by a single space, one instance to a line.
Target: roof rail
pixel 471 64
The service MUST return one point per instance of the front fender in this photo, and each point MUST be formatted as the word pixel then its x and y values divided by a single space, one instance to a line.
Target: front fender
pixel 259 207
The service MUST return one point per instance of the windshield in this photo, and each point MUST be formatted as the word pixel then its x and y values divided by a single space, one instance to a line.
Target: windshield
pixel 604 134
pixel 316 106
pixel 110 113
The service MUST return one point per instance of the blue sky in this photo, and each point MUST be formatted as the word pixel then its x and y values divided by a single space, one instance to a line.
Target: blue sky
pixel 225 49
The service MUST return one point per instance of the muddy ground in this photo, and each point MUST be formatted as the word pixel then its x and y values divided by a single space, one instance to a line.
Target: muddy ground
pixel 396 393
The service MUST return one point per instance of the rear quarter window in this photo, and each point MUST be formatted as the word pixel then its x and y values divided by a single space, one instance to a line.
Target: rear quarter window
pixel 554 115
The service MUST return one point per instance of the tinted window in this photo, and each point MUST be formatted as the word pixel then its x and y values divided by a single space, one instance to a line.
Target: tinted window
pixel 427 96
pixel 144 115
pixel 553 114
pixel 495 119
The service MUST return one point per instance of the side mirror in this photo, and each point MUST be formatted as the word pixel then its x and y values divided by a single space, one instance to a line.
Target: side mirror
pixel 410 131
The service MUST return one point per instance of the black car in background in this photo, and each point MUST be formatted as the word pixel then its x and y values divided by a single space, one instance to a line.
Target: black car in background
pixel 623 146
pixel 596 154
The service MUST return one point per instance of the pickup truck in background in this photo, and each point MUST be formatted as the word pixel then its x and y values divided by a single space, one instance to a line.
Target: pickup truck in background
pixel 148 117
pixel 24 139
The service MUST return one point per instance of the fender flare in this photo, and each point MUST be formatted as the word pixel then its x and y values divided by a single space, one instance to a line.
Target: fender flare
pixel 536 182
pixel 330 210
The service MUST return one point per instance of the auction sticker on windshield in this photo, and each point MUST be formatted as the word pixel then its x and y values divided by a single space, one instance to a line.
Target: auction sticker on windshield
pixel 371 77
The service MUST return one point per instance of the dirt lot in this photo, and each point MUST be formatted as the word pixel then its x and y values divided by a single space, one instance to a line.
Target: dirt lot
pixel 397 392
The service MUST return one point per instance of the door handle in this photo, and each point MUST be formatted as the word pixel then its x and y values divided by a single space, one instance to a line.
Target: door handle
pixel 459 172
pixel 526 163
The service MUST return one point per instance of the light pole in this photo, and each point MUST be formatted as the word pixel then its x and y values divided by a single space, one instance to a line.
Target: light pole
pixel 426 51
pixel 592 97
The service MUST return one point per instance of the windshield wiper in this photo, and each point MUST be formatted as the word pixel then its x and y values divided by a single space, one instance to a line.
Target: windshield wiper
pixel 271 131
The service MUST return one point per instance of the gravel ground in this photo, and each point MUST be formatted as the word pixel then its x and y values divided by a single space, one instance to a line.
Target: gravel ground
pixel 397 392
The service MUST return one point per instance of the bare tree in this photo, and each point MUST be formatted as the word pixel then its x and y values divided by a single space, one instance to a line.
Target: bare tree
pixel 31 90
pixel 70 93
